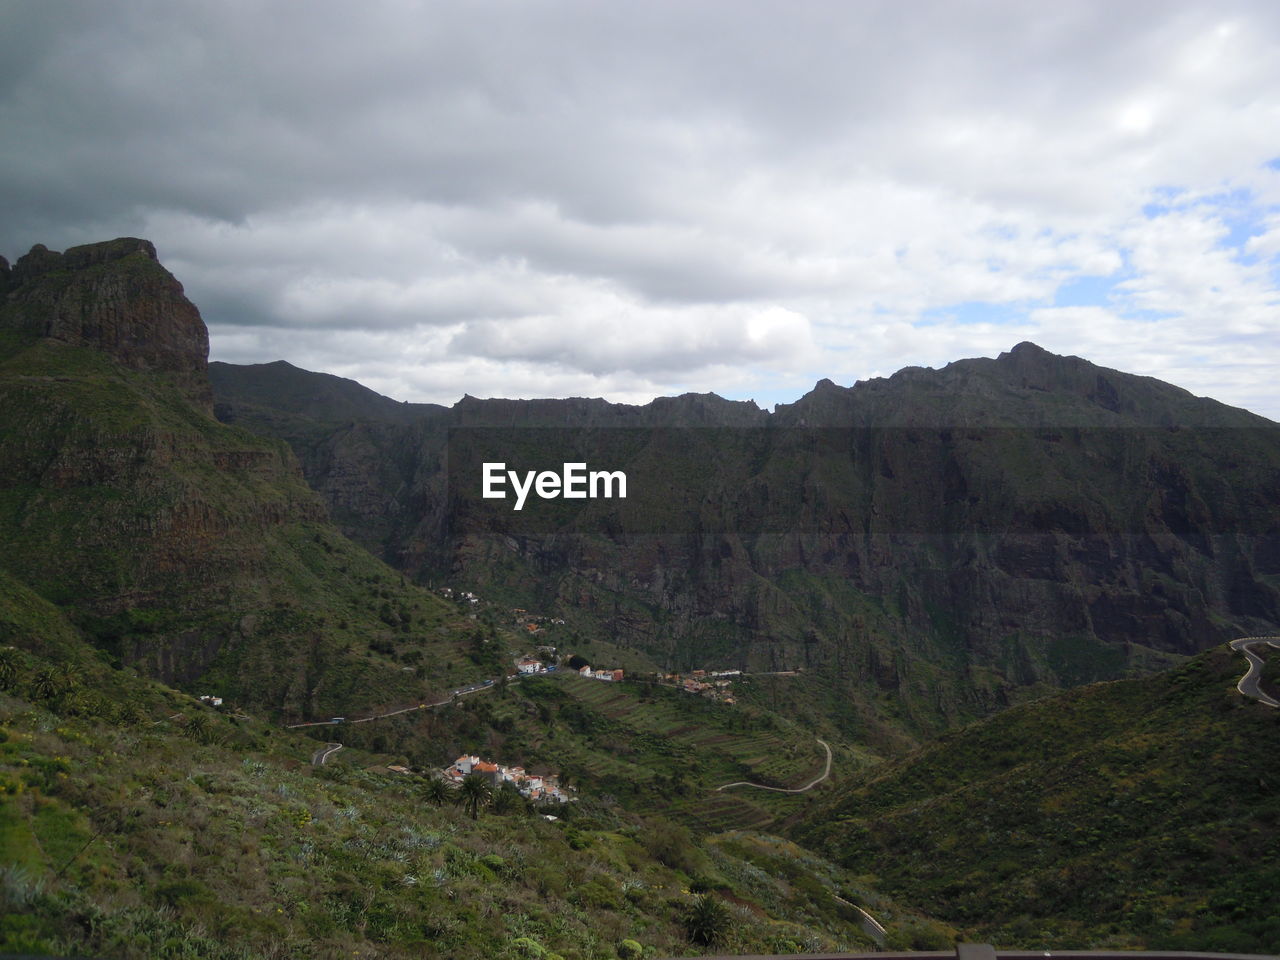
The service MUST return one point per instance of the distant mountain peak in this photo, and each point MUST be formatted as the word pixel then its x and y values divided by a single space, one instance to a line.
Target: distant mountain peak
pixel 1027 348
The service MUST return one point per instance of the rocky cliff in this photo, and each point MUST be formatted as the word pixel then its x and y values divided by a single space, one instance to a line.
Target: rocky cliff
pixel 180 545
pixel 935 543
pixel 114 297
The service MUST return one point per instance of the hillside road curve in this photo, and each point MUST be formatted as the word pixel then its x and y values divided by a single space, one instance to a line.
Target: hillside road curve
pixel 321 756
pixel 1248 684
pixel 808 786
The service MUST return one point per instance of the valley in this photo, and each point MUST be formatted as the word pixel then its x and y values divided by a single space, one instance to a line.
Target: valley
pixel 984 652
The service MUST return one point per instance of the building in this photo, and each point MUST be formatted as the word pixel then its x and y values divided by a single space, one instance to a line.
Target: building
pixel 536 788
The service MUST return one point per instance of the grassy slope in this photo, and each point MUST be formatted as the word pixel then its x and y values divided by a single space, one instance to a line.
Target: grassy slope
pixel 137 823
pixel 1139 812
pixel 195 550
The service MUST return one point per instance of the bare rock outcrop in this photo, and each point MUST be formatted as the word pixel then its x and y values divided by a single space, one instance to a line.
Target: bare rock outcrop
pixel 115 297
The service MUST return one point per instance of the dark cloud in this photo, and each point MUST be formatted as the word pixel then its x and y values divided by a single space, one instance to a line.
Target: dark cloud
pixel 483 177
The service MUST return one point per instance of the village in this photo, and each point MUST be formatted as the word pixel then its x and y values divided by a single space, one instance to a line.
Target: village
pixel 714 685
pixel 538 788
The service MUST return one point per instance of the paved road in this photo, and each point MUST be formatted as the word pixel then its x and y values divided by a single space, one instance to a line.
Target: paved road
pixel 869 923
pixel 319 758
pixel 460 692
pixel 1248 684
pixel 808 786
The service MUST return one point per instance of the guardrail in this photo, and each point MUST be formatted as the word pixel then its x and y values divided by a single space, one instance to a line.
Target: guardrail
pixel 983 951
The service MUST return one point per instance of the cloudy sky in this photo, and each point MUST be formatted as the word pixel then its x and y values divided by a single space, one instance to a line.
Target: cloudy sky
pixel 560 198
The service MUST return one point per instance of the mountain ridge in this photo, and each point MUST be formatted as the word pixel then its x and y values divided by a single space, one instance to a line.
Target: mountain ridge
pixel 184 547
pixel 1140 521
pixel 1038 369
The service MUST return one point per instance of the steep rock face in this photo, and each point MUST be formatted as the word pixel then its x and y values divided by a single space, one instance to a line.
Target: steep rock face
pixel 182 546
pixel 114 297
pixel 948 536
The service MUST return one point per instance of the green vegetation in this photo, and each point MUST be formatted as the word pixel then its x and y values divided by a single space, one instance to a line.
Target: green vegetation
pixel 153 554
pixel 194 551
pixel 1132 813
pixel 153 826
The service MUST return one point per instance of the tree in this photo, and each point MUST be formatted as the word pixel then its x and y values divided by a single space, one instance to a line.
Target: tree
pixel 436 791
pixel 474 792
pixel 708 920
pixel 69 677
pixel 507 799
pixel 8 668
pixel 46 683
pixel 201 729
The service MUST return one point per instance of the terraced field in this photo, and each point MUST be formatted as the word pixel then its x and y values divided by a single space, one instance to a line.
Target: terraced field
pixel 709 744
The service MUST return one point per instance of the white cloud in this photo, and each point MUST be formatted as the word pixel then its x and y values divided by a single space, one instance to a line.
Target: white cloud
pixel 667 196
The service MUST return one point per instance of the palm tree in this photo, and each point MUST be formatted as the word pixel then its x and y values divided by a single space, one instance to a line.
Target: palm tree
pixel 69 677
pixel 474 792
pixel 436 791
pixel 707 920
pixel 197 726
pixel 46 684
pixel 8 668
pixel 507 799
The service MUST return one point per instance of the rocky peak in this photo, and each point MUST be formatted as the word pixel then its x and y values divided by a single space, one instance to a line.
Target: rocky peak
pixel 116 297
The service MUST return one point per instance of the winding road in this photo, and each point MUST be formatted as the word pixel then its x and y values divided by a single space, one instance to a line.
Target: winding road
pixel 808 786
pixel 462 692
pixel 868 923
pixel 320 756
pixel 1248 684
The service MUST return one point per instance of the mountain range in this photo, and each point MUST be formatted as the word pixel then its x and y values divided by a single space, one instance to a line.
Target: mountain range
pixel 1053 550
pixel 937 544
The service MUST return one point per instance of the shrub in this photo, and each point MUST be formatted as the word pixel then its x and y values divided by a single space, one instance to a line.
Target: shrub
pixel 528 948
pixel 707 920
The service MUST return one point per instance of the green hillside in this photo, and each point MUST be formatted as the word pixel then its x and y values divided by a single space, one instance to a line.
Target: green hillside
pixel 931 547
pixel 186 548
pixel 136 822
pixel 153 554
pixel 1131 813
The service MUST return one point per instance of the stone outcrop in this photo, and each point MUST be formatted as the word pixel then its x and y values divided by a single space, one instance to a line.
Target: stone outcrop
pixel 114 297
pixel 173 543
pixel 954 533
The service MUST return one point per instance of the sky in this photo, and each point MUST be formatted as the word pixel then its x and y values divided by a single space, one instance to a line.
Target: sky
pixel 550 198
